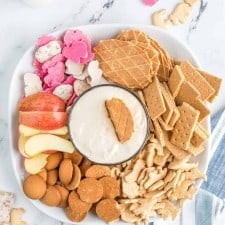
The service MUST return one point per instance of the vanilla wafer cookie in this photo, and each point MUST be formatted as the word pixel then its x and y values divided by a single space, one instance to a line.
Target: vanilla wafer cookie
pixel 153 56
pixel 129 35
pixel 124 63
pixel 185 126
pixel 121 118
pixel 154 99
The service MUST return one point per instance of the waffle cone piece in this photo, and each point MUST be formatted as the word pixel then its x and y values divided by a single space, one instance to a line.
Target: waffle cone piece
pixel 121 118
pixel 165 65
pixel 124 63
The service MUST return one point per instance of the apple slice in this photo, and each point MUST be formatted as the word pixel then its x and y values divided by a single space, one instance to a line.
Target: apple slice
pixel 36 164
pixel 43 120
pixel 44 142
pixel 29 131
pixel 42 101
pixel 21 145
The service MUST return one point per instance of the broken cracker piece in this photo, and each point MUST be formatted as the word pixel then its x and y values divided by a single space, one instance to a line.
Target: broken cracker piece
pixel 121 118
pixel 185 126
pixel 199 136
pixel 16 216
pixel 196 150
pixel 6 202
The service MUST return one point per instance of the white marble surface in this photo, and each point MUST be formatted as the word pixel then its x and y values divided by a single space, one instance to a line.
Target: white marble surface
pixel 20 25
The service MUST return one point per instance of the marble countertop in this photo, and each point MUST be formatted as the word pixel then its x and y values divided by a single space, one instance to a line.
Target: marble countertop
pixel 20 25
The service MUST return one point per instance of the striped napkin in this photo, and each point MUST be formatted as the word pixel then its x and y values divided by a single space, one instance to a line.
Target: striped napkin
pixel 209 203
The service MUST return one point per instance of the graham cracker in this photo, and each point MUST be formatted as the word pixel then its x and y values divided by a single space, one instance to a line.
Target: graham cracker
pixel 175 81
pixel 169 102
pixel 185 126
pixel 199 136
pixel 154 99
pixel 178 153
pixel 201 107
pixel 214 81
pixel 187 93
pixel 195 150
pixel 197 80
pixel 174 118
pixel 141 96
pixel 121 118
pixel 164 125
pixel 158 132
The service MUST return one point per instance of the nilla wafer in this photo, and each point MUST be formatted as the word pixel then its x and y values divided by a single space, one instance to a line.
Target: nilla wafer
pixel 90 190
pixel 97 171
pixel 34 187
pixel 111 188
pixel 74 216
pixel 66 171
pixel 108 210
pixel 64 195
pixel 52 196
pixel 76 204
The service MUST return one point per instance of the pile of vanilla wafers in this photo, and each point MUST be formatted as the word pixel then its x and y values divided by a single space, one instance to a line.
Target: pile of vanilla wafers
pixel 162 176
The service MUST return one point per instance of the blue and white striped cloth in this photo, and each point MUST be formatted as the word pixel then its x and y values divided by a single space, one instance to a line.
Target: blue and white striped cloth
pixel 209 202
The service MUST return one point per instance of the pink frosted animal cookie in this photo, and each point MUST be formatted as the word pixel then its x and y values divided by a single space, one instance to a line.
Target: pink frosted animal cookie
pixel 77 47
pixel 52 62
pixel 45 39
pixel 75 51
pixel 149 2
pixel 55 75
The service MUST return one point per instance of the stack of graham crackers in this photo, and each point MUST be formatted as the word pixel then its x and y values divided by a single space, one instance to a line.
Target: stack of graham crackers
pixel 161 177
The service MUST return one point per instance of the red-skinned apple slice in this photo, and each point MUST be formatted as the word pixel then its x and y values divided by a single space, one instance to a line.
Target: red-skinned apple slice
pixel 44 142
pixel 43 120
pixel 42 101
pixel 29 131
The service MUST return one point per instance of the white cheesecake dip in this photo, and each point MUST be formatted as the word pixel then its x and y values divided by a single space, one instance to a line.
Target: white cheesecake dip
pixel 92 131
